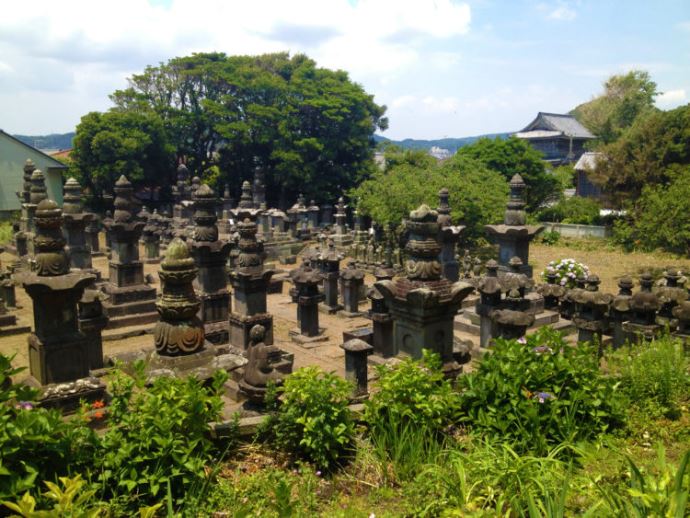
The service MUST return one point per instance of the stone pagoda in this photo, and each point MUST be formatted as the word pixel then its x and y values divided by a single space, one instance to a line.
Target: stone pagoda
pixel 26 223
pixel 423 303
pixel 58 350
pixel 210 255
pixel 182 210
pixel 179 331
pixel 249 279
pixel 76 221
pixel 450 235
pixel 341 236
pixel 37 194
pixel 644 305
pixel 514 235
pixel 131 301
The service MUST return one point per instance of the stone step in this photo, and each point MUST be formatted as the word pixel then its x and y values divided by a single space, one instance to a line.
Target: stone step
pixel 135 319
pixel 128 308
pixel 468 322
pixel 127 332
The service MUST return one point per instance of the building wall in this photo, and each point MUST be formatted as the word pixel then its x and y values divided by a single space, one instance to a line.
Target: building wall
pixel 558 148
pixel 13 155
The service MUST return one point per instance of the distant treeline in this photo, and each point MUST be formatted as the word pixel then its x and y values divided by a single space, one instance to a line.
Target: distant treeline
pixel 52 141
pixel 451 144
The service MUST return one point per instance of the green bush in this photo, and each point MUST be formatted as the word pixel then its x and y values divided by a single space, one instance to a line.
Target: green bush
pixel 655 377
pixel 539 393
pixel 313 420
pixel 413 392
pixel 405 415
pixel 157 440
pixel 36 443
pixel 574 210
pixel 550 237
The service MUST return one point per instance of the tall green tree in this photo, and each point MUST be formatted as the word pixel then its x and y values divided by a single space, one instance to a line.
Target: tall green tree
pixel 644 155
pixel 478 195
pixel 513 155
pixel 310 128
pixel 625 98
pixel 134 144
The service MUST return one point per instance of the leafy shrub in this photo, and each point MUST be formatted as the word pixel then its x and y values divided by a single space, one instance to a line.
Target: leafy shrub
pixel 489 477
pixel 35 443
pixel 550 237
pixel 405 416
pixel 157 440
pixel 654 377
pixel 414 392
pixel 567 270
pixel 574 210
pixel 663 492
pixel 313 420
pixel 540 393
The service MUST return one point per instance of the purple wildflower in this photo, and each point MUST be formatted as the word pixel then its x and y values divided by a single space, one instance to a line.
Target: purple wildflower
pixel 543 396
pixel 522 340
pixel 25 405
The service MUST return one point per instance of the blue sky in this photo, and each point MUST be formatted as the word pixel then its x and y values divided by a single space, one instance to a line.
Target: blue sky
pixel 443 68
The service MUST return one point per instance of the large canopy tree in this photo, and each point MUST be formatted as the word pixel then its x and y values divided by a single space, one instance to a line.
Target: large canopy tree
pixel 625 98
pixel 107 145
pixel 309 128
pixel 478 195
pixel 513 155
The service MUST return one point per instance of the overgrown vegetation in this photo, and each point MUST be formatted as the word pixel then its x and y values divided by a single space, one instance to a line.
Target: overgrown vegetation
pixel 575 210
pixel 537 429
pixel 477 194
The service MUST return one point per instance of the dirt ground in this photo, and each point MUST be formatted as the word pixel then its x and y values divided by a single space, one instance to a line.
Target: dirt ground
pixel 609 265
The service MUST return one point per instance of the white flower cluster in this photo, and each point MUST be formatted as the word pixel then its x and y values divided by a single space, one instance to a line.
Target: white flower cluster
pixel 567 270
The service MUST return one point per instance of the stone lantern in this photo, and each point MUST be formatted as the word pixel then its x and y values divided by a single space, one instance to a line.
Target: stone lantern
pixel 670 296
pixel 351 282
pixel 210 256
pixel 620 311
pixel 450 235
pixel 643 307
pixel 514 235
pixel 490 291
pixel 131 301
pixel 329 261
pixel 552 292
pixel 58 350
pixel 591 318
pixel 422 302
pixel 306 293
pixel 250 279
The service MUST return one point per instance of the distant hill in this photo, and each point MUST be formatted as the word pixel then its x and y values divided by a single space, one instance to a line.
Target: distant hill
pixel 52 141
pixel 64 141
pixel 451 144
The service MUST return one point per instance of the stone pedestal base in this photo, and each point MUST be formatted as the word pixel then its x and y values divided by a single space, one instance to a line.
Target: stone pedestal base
pixel 350 314
pixel 58 362
pixel 240 326
pixel 67 397
pixel 130 306
pixel 217 332
pixel 202 364
pixel 330 310
pixel 308 342
pixel 9 329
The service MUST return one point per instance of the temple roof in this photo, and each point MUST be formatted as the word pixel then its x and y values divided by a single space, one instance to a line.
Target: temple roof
pixel 554 124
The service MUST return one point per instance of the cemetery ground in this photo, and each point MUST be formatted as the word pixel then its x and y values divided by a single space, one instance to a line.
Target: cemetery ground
pixel 619 450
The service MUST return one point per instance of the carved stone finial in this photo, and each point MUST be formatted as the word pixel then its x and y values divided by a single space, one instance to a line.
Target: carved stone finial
pixel 38 187
pixel 123 200
pixel 179 330
pixel 423 246
pixel 205 218
pixel 51 258
pixel 72 197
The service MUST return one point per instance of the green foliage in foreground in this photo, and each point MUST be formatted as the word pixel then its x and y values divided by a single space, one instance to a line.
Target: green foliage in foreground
pixel 157 440
pixel 655 377
pixel 477 194
pixel 538 394
pixel 313 421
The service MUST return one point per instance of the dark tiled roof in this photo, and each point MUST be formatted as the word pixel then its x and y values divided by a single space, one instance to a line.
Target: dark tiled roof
pixel 567 124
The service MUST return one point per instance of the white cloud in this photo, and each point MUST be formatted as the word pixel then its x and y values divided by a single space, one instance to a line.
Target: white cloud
pixel 564 11
pixel 671 99
pixel 374 40
pixel 684 26
pixel 441 104
pixel 403 100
